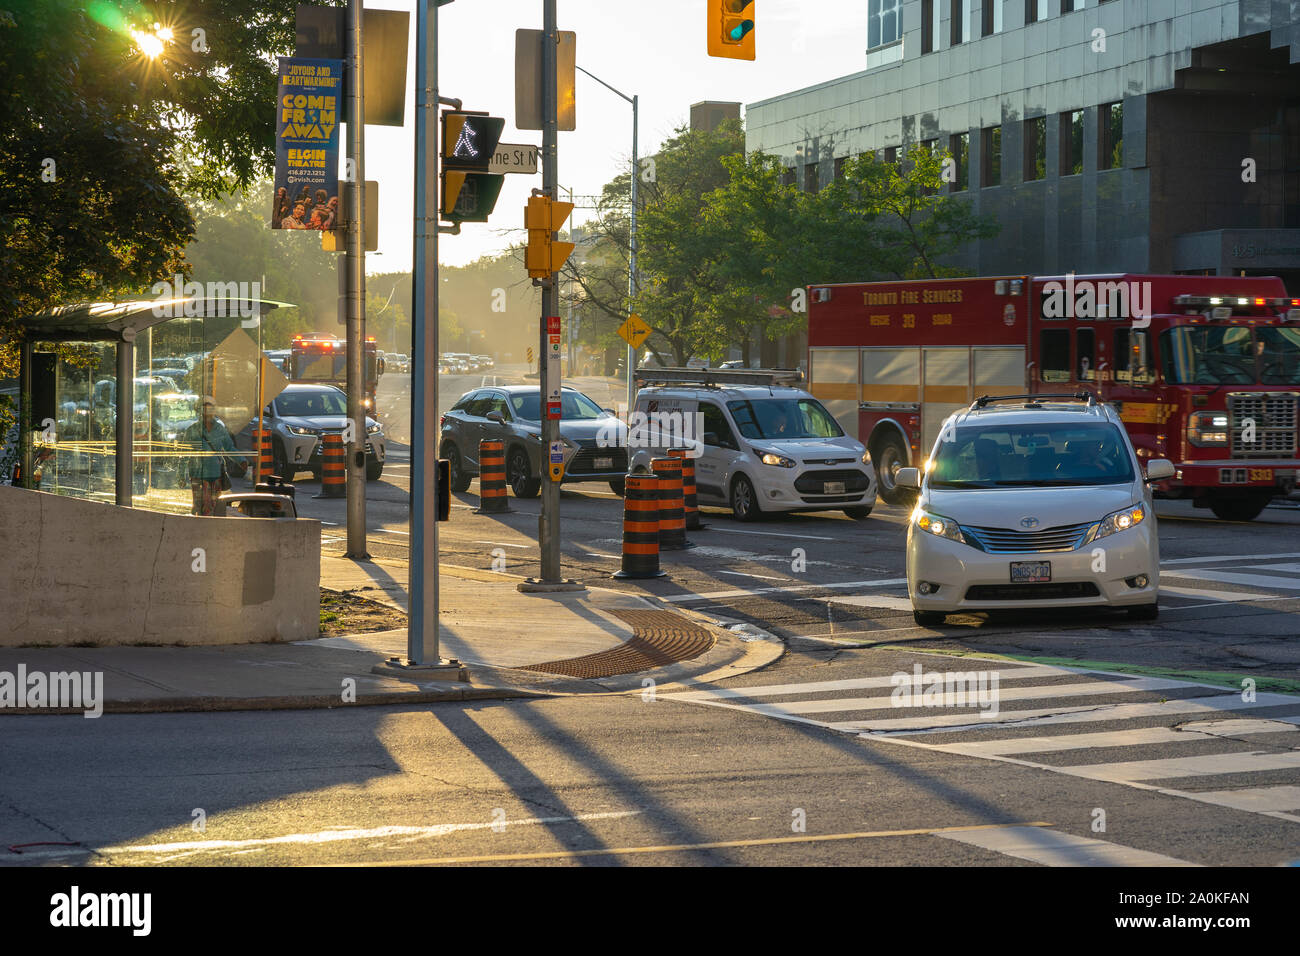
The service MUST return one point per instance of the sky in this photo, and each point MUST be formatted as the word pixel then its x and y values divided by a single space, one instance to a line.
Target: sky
pixel 654 49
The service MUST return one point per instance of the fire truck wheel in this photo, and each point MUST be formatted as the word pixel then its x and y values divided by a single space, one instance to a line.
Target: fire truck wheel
pixel 1238 509
pixel 744 501
pixel 523 484
pixel 887 457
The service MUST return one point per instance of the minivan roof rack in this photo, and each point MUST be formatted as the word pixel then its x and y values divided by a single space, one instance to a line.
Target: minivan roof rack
pixel 712 377
pixel 1031 401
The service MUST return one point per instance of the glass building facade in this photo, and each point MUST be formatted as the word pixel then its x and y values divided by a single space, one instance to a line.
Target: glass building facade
pixel 1131 135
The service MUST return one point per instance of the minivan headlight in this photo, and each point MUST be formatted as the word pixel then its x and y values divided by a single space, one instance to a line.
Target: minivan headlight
pixel 1121 520
pixel 780 461
pixel 937 525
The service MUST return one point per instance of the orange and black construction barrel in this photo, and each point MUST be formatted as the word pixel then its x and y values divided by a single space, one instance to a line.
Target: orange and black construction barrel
pixel 689 497
pixel 333 467
pixel 492 477
pixel 672 517
pixel 640 528
pixel 265 463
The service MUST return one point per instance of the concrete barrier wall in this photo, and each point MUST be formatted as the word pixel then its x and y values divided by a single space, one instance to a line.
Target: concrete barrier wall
pixel 76 571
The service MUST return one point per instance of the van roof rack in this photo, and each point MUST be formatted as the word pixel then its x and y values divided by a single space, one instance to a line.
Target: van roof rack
pixel 713 377
pixel 1036 401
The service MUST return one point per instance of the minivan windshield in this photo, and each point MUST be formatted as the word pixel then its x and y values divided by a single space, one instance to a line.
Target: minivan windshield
pixel 1033 454
pixel 776 418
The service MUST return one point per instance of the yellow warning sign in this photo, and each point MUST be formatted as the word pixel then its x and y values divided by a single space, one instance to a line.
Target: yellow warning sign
pixel 634 331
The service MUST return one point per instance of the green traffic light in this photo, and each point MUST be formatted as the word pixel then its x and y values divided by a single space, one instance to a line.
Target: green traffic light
pixel 738 32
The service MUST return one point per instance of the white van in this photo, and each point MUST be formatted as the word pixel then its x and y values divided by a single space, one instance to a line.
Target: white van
pixel 759 444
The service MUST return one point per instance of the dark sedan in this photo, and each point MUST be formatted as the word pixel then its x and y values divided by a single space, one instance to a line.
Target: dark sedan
pixel 595 436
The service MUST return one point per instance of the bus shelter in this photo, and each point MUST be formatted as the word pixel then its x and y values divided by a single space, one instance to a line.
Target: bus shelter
pixel 110 424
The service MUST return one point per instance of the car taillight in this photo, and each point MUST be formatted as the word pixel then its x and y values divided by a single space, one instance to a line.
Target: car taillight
pixel 442 420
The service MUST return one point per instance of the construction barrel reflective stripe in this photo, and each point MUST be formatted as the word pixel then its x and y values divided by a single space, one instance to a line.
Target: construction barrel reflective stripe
pixel 640 528
pixel 672 520
pixel 492 477
pixel 689 497
pixel 333 467
pixel 266 463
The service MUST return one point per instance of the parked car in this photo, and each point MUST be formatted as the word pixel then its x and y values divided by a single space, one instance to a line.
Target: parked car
pixel 1033 501
pixel 763 447
pixel 595 435
pixel 298 419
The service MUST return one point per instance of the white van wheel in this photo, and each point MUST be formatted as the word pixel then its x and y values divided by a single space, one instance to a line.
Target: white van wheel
pixel 744 500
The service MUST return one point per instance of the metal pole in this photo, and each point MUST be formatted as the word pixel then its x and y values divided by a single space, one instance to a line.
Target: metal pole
pixel 631 265
pixel 125 410
pixel 548 534
pixel 25 417
pixel 422 622
pixel 356 275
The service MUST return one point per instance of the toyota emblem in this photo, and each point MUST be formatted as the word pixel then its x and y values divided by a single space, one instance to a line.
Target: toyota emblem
pixel 1029 522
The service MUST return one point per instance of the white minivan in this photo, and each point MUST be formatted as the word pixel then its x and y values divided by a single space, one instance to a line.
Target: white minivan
pixel 760 447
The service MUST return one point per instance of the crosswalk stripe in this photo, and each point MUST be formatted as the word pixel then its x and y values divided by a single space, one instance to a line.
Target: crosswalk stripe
pixel 856 683
pixel 947 723
pixel 1032 745
pixel 1054 848
pixel 1207 594
pixel 1257 799
pixel 1249 580
pixel 1252 761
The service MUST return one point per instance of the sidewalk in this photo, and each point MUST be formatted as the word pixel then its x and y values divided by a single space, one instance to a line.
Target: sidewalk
pixel 511 643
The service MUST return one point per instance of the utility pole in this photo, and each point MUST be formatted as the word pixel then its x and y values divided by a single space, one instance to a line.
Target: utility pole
pixel 355 266
pixel 549 522
pixel 631 263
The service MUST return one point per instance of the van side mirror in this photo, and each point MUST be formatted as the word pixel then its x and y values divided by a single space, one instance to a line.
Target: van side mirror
pixel 908 478
pixel 1158 469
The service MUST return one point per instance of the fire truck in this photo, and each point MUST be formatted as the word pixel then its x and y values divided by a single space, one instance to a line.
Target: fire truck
pixel 322 359
pixel 1204 370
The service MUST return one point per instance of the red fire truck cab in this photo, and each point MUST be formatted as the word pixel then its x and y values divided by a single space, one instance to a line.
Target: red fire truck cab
pixel 322 359
pixel 1205 370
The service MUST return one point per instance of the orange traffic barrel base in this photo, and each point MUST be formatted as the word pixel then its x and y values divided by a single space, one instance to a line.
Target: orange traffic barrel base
pixel 492 498
pixel 640 528
pixel 333 468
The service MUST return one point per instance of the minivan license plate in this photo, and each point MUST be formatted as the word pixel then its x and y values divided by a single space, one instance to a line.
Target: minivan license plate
pixel 832 487
pixel 602 464
pixel 1031 572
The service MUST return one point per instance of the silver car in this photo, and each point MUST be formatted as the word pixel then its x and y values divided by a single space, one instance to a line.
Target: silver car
pixel 299 418
pixel 595 437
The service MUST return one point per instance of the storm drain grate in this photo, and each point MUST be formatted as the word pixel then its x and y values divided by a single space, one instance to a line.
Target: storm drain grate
pixel 658 638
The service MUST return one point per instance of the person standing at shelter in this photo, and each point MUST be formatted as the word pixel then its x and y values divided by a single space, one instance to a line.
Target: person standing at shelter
pixel 210 447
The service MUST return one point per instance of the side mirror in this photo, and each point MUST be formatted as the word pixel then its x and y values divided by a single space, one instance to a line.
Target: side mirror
pixel 1158 469
pixel 908 478
pixel 609 411
pixel 495 417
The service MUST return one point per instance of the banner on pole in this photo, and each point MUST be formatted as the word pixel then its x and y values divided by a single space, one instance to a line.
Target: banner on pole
pixel 307 113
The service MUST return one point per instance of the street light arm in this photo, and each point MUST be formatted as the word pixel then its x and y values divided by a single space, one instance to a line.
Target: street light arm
pixel 603 83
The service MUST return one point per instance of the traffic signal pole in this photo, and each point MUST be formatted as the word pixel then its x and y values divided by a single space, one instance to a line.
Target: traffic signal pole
pixel 549 523
pixel 355 266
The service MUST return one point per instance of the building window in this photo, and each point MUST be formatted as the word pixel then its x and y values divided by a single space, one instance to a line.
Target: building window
pixel 961 14
pixel 991 17
pixel 929 25
pixel 991 156
pixel 1072 143
pixel 1035 10
pixel 1069 6
pixel 787 178
pixel 1110 142
pixel 959 146
pixel 839 166
pixel 1035 134
pixel 889 155
pixel 810 178
pixel 884 22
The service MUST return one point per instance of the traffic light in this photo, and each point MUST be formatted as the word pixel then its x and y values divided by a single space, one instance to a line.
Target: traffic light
pixel 469 141
pixel 444 489
pixel 731 29
pixel 542 217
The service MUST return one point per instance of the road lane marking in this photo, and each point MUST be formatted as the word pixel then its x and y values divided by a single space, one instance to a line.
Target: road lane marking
pixel 502 544
pixel 1218 597
pixel 1254 799
pixel 1054 848
pixel 712 595
pixel 773 534
pixel 690 847
pixel 1265 581
pixel 830 686
pixel 746 574
pixel 1128 771
pixel 1230 558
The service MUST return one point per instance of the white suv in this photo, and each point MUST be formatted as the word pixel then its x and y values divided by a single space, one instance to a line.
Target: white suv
pixel 1033 501
pixel 761 447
